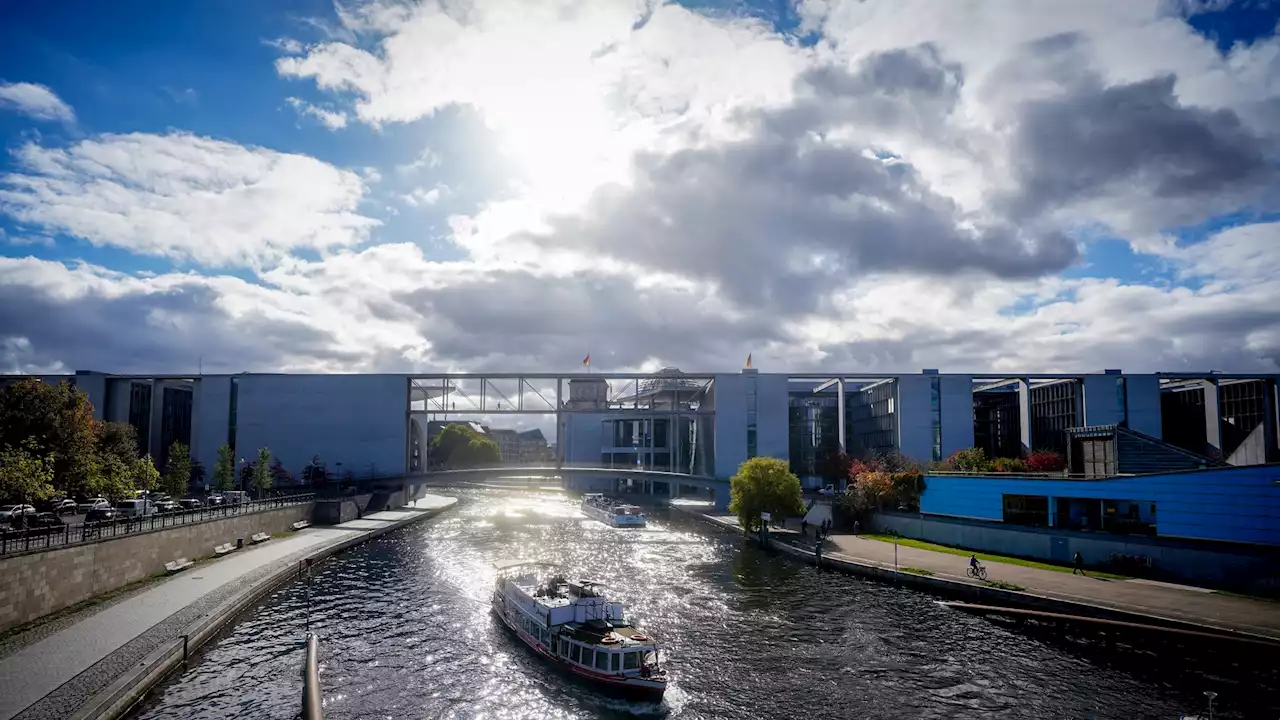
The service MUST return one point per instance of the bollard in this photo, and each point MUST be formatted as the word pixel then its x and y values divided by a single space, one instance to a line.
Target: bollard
pixel 184 649
pixel 312 702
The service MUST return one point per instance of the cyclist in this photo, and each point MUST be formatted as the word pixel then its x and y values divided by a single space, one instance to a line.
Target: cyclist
pixel 974 565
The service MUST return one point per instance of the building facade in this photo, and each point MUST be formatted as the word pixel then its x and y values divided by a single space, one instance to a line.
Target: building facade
pixel 702 424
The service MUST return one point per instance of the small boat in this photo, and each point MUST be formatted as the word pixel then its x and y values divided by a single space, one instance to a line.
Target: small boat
pixel 610 512
pixel 573 624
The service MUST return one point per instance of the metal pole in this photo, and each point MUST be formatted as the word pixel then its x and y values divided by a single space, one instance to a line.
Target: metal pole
pixel 895 550
pixel 312 701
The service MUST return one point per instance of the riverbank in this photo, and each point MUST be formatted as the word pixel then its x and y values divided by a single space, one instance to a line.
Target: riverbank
pixel 100 661
pixel 1137 601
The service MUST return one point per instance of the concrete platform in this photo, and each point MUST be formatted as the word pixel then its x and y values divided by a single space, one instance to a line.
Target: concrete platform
pixel 55 673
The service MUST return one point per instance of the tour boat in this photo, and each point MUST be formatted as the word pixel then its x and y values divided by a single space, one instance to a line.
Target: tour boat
pixel 598 507
pixel 573 624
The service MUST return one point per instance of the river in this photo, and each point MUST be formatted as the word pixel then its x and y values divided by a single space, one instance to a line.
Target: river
pixel 406 633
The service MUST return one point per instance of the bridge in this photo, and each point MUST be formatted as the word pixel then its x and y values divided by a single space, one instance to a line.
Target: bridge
pixel 673 480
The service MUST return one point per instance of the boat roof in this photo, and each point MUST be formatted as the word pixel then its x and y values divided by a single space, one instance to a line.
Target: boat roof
pixel 523 563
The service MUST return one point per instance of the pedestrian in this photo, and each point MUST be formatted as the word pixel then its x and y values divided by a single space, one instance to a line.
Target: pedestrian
pixel 804 528
pixel 856 527
pixel 1079 564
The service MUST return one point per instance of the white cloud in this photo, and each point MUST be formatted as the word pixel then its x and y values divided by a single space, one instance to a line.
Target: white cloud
pixel 285 45
pixel 331 119
pixel 186 197
pixel 37 101
pixel 904 193
pixel 423 196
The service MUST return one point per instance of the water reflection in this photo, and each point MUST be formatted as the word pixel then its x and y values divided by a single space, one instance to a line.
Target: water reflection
pixel 406 633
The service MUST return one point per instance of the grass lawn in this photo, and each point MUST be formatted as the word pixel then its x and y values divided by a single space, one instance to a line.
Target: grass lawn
pixel 916 571
pixel 922 545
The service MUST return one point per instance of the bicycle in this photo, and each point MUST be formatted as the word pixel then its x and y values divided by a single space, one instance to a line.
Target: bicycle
pixel 977 573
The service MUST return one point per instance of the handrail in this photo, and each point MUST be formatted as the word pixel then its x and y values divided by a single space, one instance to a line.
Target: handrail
pixel 16 541
pixel 312 700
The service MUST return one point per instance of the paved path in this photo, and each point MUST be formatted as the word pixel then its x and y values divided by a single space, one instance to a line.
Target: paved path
pixel 1168 600
pixel 40 669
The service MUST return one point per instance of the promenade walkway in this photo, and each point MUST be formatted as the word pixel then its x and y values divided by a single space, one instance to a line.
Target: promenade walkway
pixel 1159 599
pixel 51 671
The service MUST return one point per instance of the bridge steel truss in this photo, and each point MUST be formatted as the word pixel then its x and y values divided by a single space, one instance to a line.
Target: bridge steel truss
pixel 434 395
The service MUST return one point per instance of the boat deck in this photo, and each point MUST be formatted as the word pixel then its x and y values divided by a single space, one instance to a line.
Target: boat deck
pixel 588 635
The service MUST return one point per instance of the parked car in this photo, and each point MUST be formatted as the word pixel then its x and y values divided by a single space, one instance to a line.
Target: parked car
pixel 104 513
pixel 190 504
pixel 235 497
pixel 45 523
pixel 15 513
pixel 828 490
pixel 215 499
pixel 167 506
pixel 65 507
pixel 136 508
pixel 92 504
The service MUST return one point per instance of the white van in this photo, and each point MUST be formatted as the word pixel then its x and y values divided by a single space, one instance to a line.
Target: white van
pixel 235 497
pixel 136 508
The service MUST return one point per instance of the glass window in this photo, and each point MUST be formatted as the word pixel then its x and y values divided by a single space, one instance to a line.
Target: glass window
pixel 751 441
pixel 588 656
pixel 631 661
pixel 564 647
pixel 575 652
pixel 602 660
pixel 615 659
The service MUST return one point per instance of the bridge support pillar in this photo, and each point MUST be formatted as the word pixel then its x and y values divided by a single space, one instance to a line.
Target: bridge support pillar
pixel 722 500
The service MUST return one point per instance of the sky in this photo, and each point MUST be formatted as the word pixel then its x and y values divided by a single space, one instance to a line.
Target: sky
pixel 512 185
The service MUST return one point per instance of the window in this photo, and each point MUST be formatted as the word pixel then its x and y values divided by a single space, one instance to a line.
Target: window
pixel 751 440
pixel 935 408
pixel 588 655
pixel 631 661
pixel 602 659
pixel 564 647
pixel 575 652
pixel 615 661
pixel 1030 510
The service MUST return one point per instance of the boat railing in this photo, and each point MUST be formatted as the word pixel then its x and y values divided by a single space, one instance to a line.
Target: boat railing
pixel 312 700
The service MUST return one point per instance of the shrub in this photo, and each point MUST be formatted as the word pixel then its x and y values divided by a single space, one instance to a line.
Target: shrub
pixel 1009 465
pixel 1045 461
pixel 969 460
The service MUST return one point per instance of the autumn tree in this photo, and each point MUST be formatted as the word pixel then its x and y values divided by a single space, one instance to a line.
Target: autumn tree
pixel 224 471
pixel 177 473
pixel 54 422
pixel 764 484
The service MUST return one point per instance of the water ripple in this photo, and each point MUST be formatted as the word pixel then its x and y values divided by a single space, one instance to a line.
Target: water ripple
pixel 406 633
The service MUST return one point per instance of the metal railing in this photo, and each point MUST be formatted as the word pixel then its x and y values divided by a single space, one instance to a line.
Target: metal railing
pixel 16 541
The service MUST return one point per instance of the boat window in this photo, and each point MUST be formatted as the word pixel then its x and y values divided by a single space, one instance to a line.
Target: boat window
pixel 631 661
pixel 587 656
pixel 575 652
pixel 564 647
pixel 602 659
pixel 615 661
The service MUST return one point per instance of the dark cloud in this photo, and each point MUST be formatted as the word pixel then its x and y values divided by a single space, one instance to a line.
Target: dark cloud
pixel 1134 142
pixel 514 320
pixel 161 332
pixel 778 219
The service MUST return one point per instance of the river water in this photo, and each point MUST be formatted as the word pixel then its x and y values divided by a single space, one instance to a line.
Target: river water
pixel 406 633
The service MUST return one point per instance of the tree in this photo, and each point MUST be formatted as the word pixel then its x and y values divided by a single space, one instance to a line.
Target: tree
pixel 53 421
pixel 764 484
pixel 114 478
pixel 224 471
pixel 145 475
pixel 262 471
pixel 479 452
pixel 315 473
pixel 1045 461
pixel 198 474
pixel 280 477
pixel 177 474
pixel 25 475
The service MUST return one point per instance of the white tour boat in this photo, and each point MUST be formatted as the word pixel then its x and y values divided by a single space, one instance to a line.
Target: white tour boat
pixel 610 512
pixel 575 626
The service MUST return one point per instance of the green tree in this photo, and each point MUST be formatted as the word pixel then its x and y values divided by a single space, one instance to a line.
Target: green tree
pixel 25 475
pixel 53 421
pixel 177 474
pixel 145 475
pixel 479 452
pixel 114 478
pixel 224 471
pixel 764 484
pixel 262 471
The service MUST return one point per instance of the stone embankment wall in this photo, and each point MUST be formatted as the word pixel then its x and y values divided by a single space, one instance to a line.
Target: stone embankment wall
pixel 41 582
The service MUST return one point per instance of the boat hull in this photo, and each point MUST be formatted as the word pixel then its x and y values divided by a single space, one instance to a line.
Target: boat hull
pixel 612 520
pixel 631 688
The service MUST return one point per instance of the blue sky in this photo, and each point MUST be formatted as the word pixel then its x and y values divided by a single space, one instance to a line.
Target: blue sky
pixel 603 146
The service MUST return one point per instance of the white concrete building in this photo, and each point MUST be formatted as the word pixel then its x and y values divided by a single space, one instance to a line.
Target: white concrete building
pixel 703 424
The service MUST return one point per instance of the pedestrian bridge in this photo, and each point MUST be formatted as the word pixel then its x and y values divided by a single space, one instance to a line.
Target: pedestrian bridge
pixel 674 480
